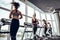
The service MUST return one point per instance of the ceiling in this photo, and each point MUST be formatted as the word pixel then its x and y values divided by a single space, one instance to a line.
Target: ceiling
pixel 46 5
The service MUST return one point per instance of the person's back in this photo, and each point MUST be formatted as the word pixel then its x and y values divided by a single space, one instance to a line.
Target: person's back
pixel 15 14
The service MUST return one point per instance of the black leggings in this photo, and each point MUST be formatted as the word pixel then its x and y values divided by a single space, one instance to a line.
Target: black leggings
pixel 35 29
pixel 14 28
pixel 45 30
pixel 50 30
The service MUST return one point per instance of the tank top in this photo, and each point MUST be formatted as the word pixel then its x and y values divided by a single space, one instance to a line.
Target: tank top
pixel 34 21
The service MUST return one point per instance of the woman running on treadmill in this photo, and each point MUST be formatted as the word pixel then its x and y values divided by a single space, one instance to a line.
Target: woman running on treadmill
pixel 49 29
pixel 35 23
pixel 45 26
pixel 15 15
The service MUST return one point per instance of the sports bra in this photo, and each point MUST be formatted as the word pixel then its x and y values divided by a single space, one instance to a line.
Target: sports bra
pixel 15 14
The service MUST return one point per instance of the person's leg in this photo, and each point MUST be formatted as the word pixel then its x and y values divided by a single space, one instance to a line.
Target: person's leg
pixel 35 29
pixel 13 29
pixel 16 29
pixel 45 31
pixel 35 32
pixel 50 31
pixel 13 38
pixel 13 34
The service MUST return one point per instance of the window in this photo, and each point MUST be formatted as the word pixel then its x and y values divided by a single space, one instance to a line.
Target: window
pixel 52 17
pixel 37 14
pixel 4 14
pixel 30 11
pixel 22 20
pixel 43 16
pixel 5 3
pixel 48 16
pixel 54 28
pixel 29 20
pixel 22 6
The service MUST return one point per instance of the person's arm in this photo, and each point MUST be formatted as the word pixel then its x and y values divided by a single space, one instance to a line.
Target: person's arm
pixel 10 14
pixel 20 15
pixel 32 20
pixel 37 21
